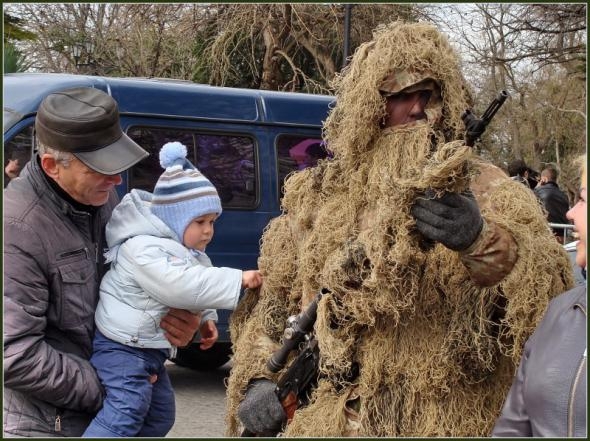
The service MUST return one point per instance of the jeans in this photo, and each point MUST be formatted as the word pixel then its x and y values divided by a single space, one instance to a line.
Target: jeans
pixel 133 406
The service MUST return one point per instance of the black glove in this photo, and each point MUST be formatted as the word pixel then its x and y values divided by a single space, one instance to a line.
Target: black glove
pixel 261 412
pixel 453 219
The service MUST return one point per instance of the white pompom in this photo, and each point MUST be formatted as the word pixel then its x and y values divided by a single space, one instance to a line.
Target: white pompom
pixel 172 153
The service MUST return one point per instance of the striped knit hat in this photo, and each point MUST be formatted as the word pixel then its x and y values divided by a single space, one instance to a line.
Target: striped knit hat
pixel 182 193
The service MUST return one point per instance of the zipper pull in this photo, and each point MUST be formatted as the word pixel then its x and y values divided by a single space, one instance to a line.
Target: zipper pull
pixel 58 423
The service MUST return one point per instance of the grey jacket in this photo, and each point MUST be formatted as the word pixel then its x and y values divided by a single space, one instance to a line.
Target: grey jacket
pixel 52 267
pixel 548 395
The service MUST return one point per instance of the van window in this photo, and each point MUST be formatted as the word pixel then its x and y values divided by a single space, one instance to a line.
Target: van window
pixel 297 153
pixel 17 152
pixel 228 161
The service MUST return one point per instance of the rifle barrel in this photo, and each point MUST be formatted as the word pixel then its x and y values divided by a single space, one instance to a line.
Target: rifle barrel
pixel 494 106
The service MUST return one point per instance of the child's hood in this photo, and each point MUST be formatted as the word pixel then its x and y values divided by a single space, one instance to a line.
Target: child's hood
pixel 132 217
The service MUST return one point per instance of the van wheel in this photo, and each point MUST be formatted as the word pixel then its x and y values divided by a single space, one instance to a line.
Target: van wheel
pixel 195 358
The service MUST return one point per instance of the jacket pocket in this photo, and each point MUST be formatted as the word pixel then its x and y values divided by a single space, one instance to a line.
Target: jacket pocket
pixel 77 253
pixel 78 293
pixel 77 272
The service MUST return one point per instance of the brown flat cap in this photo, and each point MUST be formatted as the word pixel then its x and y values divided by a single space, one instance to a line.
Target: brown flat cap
pixel 85 122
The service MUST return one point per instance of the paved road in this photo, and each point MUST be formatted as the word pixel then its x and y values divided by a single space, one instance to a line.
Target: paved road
pixel 200 402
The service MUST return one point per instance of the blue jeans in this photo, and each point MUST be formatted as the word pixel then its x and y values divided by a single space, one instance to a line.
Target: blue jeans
pixel 133 406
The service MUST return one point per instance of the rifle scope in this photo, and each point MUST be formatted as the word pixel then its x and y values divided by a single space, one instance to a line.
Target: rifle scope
pixel 295 333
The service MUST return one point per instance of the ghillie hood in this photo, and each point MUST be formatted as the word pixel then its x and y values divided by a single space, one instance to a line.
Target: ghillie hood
pixel 410 53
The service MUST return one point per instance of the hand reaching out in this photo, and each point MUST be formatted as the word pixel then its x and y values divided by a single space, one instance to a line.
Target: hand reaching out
pixel 251 279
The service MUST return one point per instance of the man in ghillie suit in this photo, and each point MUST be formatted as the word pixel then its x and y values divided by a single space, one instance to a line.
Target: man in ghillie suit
pixel 430 256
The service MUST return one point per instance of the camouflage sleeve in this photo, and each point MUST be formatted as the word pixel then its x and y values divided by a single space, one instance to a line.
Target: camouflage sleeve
pixel 492 255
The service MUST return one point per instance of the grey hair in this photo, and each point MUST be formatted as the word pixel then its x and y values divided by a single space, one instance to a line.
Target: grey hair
pixel 64 157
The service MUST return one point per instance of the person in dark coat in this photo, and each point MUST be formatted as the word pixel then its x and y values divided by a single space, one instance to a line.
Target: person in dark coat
pixel 553 198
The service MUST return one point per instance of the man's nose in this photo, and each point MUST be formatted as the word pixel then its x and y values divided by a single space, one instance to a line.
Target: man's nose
pixel 570 213
pixel 417 108
pixel 115 179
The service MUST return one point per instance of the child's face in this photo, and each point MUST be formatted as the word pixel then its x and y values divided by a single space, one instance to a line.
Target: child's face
pixel 199 232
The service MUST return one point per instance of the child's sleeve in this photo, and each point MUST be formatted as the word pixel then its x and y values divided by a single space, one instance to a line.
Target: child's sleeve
pixel 176 282
pixel 208 314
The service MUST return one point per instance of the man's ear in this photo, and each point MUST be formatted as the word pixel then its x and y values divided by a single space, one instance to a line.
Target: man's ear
pixel 49 166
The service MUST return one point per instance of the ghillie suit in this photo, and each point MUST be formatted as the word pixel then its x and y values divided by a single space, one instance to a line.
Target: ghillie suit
pixel 415 339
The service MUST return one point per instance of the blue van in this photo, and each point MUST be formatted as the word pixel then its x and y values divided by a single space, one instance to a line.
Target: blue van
pixel 244 141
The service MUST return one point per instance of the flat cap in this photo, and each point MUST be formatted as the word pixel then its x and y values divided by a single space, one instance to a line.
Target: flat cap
pixel 85 122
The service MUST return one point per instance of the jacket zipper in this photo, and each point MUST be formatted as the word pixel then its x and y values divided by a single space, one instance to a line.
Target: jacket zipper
pixel 570 407
pixel 57 423
pixel 95 238
pixel 92 226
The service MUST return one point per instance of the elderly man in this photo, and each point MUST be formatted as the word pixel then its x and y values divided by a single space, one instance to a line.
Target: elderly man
pixel 424 248
pixel 54 219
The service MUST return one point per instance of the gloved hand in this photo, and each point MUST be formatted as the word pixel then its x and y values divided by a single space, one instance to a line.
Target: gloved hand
pixel 260 411
pixel 453 219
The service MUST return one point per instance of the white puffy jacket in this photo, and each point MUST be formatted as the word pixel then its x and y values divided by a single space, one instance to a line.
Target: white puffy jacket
pixel 151 272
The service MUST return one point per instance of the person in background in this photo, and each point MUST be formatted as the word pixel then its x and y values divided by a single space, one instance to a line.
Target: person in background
pixel 157 252
pixel 16 156
pixel 54 219
pixel 533 177
pixel 12 168
pixel 520 172
pixel 554 200
pixel 313 153
pixel 548 395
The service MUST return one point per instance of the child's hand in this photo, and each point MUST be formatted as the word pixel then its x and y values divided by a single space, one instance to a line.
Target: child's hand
pixel 209 334
pixel 251 279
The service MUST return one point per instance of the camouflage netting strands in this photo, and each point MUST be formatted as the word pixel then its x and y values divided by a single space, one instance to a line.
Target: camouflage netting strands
pixel 435 352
